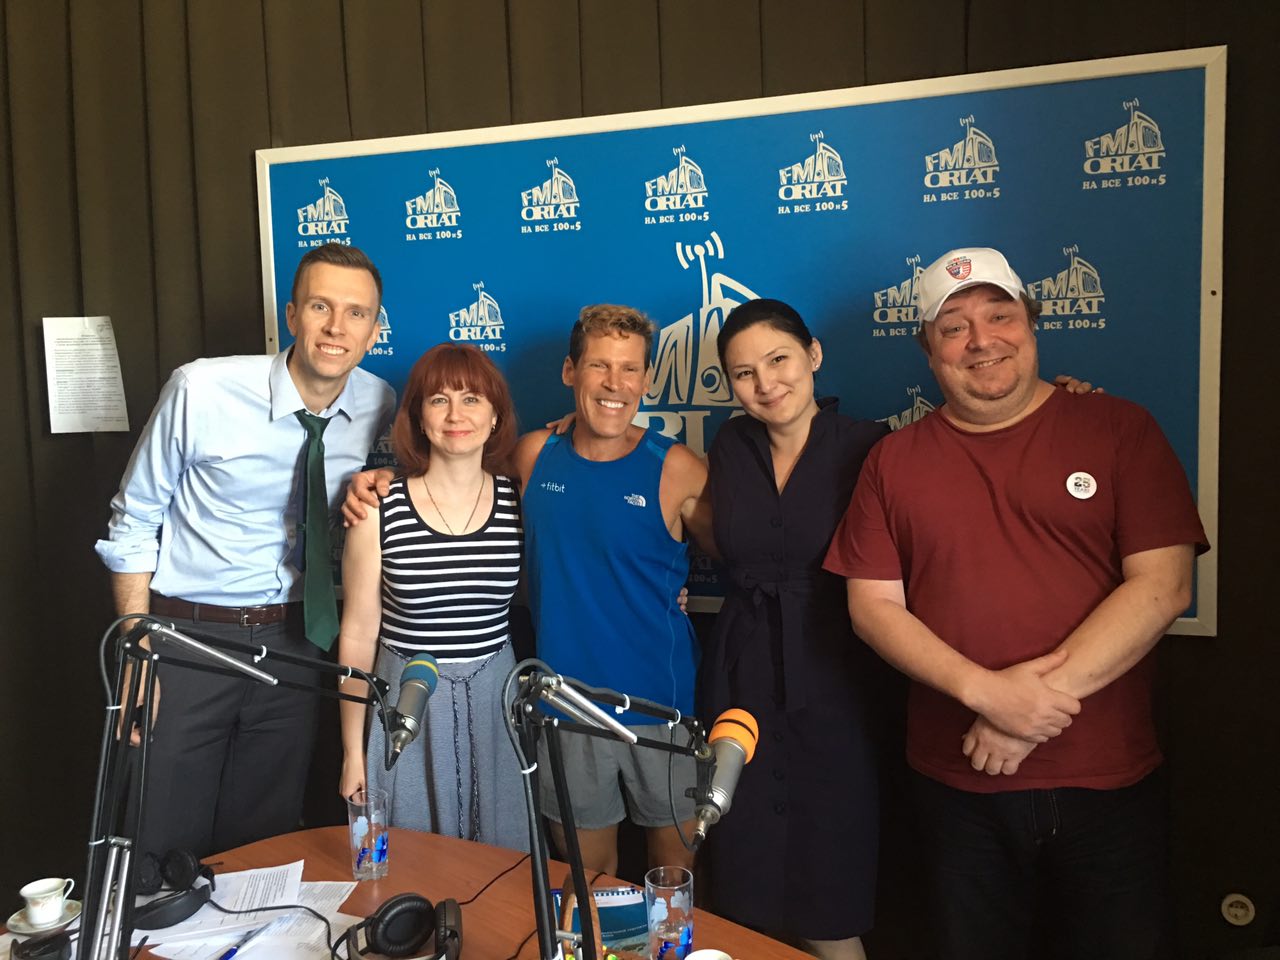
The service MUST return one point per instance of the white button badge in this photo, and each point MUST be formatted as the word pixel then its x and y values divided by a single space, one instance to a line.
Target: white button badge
pixel 1081 485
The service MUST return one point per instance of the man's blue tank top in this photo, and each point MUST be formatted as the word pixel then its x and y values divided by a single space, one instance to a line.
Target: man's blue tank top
pixel 604 573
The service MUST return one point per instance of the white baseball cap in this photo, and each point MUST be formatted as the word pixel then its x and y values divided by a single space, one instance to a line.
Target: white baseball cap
pixel 958 269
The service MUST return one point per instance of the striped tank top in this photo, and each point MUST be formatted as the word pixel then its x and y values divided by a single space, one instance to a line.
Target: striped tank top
pixel 449 596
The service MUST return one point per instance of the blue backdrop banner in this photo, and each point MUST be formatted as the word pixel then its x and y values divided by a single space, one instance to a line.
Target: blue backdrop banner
pixel 1102 181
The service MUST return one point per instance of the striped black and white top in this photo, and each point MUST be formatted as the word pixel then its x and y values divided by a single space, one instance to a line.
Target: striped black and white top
pixel 449 595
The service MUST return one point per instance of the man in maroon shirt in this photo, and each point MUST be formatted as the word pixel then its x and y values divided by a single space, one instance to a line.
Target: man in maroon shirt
pixel 1018 555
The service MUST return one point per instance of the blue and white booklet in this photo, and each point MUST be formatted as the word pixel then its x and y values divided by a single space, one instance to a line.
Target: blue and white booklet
pixel 623 922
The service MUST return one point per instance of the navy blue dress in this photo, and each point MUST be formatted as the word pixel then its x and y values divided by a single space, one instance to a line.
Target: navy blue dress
pixel 797 852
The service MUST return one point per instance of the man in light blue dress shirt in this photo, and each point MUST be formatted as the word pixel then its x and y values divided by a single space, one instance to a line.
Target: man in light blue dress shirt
pixel 202 532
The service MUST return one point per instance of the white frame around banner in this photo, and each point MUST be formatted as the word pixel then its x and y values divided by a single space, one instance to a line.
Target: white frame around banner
pixel 1212 59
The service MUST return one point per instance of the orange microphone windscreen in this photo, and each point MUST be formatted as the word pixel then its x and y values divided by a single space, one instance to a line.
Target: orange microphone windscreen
pixel 739 726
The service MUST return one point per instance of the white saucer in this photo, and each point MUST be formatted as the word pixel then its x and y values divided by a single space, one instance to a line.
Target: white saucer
pixel 18 922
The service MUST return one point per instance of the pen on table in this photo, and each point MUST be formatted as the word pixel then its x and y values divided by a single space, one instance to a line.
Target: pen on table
pixel 248 937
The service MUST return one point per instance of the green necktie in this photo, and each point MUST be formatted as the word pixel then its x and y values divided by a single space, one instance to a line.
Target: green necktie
pixel 319 605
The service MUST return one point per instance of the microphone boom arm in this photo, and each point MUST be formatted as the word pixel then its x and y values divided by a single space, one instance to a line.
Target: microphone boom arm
pixel 121 791
pixel 539 685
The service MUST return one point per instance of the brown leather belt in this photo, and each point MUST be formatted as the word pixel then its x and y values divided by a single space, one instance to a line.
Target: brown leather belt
pixel 211 613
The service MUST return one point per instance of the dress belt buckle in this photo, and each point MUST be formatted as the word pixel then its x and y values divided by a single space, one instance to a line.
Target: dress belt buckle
pixel 244 617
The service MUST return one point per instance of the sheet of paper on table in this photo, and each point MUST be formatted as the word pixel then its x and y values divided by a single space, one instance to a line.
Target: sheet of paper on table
pixel 243 890
pixel 303 937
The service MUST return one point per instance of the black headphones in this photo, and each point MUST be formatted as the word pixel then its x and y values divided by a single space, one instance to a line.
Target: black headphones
pixel 180 870
pixel 403 925
pixel 47 946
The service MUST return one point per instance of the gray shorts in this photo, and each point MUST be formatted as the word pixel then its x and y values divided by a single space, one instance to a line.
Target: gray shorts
pixel 611 781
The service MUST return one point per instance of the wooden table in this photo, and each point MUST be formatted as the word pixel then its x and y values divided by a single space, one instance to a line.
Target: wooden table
pixel 438 867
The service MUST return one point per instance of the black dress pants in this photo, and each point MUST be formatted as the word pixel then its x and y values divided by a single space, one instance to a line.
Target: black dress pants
pixel 228 761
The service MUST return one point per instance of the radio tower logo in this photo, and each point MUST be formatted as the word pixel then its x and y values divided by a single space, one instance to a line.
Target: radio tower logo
pixel 1074 294
pixel 821 174
pixel 688 384
pixel 327 217
pixel 437 207
pixel 681 188
pixel 969 163
pixel 480 320
pixel 556 198
pixel 899 303
pixel 1135 146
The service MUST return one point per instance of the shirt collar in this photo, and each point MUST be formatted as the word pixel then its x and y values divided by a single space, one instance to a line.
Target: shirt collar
pixel 286 401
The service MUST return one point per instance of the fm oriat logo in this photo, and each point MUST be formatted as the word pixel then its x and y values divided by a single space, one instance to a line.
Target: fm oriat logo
pixel 686 371
pixel 1073 299
pixel 327 217
pixel 556 198
pixel 819 175
pixel 479 322
pixel 1135 147
pixel 918 409
pixel 898 304
pixel 681 188
pixel 969 165
pixel 437 207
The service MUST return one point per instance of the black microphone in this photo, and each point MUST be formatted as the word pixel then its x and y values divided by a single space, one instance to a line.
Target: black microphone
pixel 417 683
pixel 733 741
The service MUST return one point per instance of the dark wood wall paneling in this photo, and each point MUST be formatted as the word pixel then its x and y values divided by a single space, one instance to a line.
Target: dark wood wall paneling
pixel 814 45
pixel 230 119
pixel 915 39
pixel 468 70
pixel 1224 735
pixel 1006 33
pixel 387 88
pixel 114 210
pixel 546 70
pixel 21 644
pixel 113 225
pixel 306 72
pixel 710 51
pixel 175 241
pixel 621 58
pixel 62 612
pixel 129 189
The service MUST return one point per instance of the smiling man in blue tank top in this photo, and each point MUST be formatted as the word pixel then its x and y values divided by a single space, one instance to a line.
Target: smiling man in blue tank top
pixel 606 509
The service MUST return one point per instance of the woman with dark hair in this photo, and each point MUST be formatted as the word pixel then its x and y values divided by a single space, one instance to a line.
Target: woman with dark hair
pixel 783 649
pixel 435 573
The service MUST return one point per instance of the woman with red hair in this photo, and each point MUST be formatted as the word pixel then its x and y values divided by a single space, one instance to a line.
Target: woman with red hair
pixel 435 573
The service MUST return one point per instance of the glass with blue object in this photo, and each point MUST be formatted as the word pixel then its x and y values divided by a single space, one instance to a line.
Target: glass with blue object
pixel 367 820
pixel 668 898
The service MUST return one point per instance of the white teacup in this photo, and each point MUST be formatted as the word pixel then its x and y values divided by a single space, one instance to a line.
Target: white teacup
pixel 46 899
pixel 708 955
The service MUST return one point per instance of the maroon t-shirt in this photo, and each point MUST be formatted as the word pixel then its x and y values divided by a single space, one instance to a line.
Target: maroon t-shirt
pixel 1005 542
